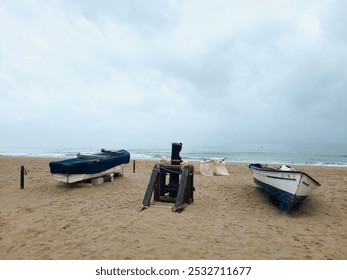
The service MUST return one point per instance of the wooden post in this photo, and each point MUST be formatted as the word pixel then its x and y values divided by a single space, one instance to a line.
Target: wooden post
pixel 22 171
pixel 153 182
pixel 181 189
pixel 134 166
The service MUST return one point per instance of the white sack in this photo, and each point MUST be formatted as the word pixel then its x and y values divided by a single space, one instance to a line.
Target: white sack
pixel 207 167
pixel 220 169
pixel 210 167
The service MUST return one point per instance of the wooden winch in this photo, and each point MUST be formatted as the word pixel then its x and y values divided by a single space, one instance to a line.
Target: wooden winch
pixel 171 182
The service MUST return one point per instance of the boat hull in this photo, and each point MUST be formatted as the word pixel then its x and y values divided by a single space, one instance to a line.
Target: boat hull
pixel 287 187
pixel 73 178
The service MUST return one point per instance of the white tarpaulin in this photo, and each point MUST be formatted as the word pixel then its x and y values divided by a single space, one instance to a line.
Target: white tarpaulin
pixel 213 167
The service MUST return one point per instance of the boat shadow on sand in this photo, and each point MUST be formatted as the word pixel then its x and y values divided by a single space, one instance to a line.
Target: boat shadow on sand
pixel 85 184
pixel 303 208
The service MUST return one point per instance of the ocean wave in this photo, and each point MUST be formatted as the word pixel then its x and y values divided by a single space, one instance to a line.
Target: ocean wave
pixel 233 156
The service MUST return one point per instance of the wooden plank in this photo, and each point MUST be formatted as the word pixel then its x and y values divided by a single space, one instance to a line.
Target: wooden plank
pixel 157 187
pixel 181 208
pixel 161 184
pixel 181 189
pixel 22 172
pixel 191 185
pixel 150 187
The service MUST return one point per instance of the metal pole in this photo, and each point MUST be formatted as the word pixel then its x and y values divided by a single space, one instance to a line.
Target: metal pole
pixel 22 171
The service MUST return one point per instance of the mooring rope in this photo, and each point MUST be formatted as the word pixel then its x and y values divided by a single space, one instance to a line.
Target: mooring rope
pixel 3 179
pixel 36 170
pixel 25 172
pixel 171 171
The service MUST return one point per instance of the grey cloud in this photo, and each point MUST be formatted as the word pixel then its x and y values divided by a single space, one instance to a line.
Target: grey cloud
pixel 200 71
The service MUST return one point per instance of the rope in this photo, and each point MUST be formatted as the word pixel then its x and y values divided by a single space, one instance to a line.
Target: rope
pixel 36 170
pixel 25 172
pixel 10 175
pixel 168 170
pixel 171 171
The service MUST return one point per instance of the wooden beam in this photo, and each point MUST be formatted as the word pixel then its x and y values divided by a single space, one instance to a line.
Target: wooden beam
pixel 22 172
pixel 152 182
pixel 181 189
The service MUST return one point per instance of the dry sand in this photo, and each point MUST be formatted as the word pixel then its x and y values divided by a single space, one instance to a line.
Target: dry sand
pixel 230 218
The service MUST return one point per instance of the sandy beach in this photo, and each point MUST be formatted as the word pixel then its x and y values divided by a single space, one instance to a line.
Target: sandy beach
pixel 230 218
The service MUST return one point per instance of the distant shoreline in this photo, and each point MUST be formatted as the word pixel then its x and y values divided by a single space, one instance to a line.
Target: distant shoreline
pixel 53 158
pixel 277 154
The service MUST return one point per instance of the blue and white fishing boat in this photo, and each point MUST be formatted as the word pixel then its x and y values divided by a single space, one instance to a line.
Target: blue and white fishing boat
pixel 89 166
pixel 286 185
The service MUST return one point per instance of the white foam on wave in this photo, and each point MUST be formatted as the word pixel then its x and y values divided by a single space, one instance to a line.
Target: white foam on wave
pixel 308 157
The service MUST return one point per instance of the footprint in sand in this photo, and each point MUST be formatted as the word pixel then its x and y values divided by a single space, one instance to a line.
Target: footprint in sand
pixel 295 238
pixel 28 210
pixel 66 226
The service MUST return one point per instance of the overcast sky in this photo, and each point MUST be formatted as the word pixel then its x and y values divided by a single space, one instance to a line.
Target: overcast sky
pixel 147 73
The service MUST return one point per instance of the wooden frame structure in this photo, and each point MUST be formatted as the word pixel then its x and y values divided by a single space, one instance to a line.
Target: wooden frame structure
pixel 179 190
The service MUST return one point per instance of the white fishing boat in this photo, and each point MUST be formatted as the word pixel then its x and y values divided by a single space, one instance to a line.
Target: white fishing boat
pixel 286 185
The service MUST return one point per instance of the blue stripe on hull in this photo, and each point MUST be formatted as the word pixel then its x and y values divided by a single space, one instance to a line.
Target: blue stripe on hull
pixel 285 199
pixel 281 178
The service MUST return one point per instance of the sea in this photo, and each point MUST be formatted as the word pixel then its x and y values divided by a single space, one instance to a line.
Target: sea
pixel 290 154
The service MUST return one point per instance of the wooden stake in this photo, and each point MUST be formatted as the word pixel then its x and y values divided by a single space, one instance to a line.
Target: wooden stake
pixel 22 171
pixel 134 166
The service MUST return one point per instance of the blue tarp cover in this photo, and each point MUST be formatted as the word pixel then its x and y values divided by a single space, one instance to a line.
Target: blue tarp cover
pixel 89 164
